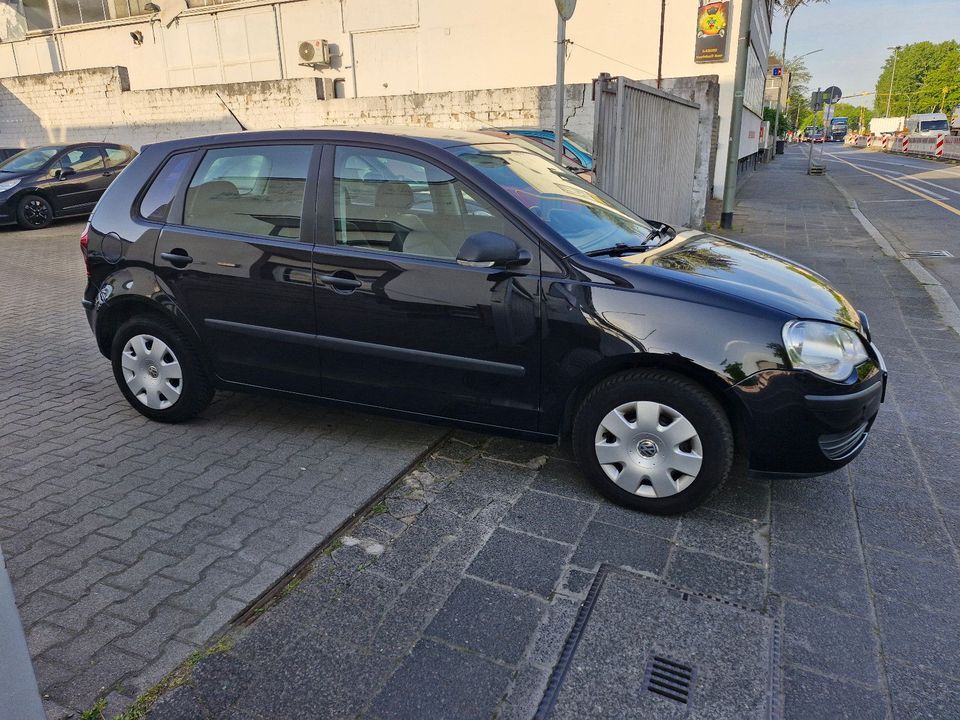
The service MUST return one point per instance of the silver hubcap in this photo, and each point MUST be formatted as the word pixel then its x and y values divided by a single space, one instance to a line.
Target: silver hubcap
pixel 151 371
pixel 648 449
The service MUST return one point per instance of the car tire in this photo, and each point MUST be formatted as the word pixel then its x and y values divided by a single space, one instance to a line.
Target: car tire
pixel 34 212
pixel 652 440
pixel 159 371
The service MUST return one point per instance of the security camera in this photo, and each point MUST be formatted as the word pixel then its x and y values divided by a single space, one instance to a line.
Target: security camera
pixel 137 37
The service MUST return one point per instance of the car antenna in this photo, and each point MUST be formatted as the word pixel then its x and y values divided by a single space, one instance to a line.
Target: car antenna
pixel 232 114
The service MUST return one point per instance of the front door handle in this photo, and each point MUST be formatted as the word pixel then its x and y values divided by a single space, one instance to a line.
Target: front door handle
pixel 344 283
pixel 177 257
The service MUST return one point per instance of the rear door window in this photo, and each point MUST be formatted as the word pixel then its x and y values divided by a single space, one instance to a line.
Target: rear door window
pixel 253 190
pixel 82 160
pixel 156 202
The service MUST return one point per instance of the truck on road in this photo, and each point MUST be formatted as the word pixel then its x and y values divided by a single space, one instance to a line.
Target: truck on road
pixel 886 125
pixel 838 129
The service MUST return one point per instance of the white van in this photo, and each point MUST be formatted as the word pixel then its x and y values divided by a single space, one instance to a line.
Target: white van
pixel 928 124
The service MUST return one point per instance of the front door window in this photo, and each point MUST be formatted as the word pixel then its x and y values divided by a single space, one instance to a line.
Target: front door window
pixel 397 203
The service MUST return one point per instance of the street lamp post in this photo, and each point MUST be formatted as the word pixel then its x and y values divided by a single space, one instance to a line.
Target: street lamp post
pixel 893 73
pixel 565 10
pixel 783 59
pixel 787 108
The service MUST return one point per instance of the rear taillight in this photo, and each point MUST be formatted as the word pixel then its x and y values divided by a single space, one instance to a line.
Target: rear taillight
pixel 84 245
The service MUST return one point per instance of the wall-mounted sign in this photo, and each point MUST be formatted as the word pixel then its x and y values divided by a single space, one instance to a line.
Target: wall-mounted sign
pixel 712 19
pixel 777 71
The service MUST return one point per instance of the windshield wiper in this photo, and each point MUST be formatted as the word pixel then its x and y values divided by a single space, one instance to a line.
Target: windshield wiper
pixel 618 249
pixel 623 248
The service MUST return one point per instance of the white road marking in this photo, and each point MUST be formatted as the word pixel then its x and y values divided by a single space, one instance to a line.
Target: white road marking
pixel 886 201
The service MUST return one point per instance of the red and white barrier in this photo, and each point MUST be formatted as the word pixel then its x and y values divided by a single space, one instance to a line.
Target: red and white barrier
pixel 939 146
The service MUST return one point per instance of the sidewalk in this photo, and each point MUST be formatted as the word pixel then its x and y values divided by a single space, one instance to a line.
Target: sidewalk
pixel 825 598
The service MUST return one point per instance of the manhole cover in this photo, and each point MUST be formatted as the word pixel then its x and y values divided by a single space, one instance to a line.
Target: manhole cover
pixel 644 649
pixel 920 254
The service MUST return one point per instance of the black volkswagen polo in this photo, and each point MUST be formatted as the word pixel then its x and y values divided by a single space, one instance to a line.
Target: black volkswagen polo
pixel 456 277
pixel 43 183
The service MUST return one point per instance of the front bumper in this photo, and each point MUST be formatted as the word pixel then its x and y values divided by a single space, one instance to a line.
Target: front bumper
pixel 800 425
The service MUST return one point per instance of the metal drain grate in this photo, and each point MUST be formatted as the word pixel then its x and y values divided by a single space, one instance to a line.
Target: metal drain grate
pixel 669 678
pixel 928 254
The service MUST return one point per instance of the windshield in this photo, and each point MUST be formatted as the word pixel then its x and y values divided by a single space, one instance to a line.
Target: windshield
pixel 27 160
pixel 576 210
pixel 934 125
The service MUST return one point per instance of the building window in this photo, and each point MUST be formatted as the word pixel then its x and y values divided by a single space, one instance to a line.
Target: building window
pixel 128 8
pixel 207 3
pixel 76 12
pixel 37 14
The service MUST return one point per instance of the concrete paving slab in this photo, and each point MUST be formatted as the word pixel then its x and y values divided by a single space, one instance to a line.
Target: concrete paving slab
pixel 635 619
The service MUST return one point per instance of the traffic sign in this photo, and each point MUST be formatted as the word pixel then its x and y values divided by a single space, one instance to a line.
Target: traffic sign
pixel 777 71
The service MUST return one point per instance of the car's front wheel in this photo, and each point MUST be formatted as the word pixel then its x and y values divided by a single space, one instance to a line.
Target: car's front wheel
pixel 34 212
pixel 158 371
pixel 653 440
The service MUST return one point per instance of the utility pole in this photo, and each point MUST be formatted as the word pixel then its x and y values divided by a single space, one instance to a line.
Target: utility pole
pixel 736 116
pixel 893 73
pixel 565 10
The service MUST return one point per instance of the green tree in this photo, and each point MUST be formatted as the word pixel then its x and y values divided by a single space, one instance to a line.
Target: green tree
pixel 799 91
pixel 852 113
pixel 927 79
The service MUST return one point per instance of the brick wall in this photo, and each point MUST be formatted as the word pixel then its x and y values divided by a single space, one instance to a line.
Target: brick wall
pixel 97 104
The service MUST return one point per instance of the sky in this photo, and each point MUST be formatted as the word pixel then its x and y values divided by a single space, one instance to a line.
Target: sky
pixel 855 35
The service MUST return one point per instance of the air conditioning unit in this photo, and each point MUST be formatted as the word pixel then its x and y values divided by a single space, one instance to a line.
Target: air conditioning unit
pixel 314 53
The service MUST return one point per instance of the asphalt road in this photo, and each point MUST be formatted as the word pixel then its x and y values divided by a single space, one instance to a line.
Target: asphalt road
pixel 912 201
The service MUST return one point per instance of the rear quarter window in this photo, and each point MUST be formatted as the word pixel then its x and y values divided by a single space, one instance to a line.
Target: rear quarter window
pixel 156 201
pixel 117 156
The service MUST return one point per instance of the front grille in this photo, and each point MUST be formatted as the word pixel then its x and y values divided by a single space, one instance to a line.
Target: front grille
pixel 838 445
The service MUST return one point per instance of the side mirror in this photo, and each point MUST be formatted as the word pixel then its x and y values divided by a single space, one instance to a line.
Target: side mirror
pixel 64 173
pixel 490 249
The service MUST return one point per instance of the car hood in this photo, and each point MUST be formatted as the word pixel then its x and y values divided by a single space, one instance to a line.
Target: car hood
pixel 4 176
pixel 746 272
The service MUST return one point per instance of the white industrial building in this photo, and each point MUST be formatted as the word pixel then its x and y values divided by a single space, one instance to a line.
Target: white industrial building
pixel 369 48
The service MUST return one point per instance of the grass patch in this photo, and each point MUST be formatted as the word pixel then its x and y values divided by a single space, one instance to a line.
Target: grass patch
pixel 96 712
pixel 333 547
pixel 141 706
pixel 291 586
pixel 379 509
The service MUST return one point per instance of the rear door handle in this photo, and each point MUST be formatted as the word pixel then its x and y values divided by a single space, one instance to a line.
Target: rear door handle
pixel 177 258
pixel 349 283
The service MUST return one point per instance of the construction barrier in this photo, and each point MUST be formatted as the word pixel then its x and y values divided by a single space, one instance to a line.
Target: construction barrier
pixel 938 146
pixel 951 147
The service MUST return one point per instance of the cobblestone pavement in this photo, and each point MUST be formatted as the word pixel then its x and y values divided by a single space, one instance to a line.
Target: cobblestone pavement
pixel 129 542
pixel 454 598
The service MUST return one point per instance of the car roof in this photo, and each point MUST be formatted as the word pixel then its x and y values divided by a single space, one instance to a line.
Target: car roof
pixel 437 137
pixel 61 147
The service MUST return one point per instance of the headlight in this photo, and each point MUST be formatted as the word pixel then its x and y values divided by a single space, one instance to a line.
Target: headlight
pixel 9 185
pixel 830 351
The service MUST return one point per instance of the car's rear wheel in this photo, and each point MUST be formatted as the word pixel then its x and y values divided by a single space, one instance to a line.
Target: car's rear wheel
pixel 158 371
pixel 653 440
pixel 34 212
